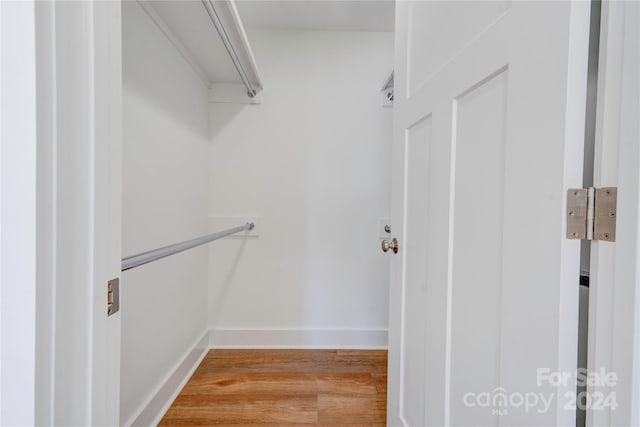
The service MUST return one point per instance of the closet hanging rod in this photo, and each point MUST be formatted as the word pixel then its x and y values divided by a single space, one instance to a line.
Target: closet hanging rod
pixel 156 254
pixel 211 11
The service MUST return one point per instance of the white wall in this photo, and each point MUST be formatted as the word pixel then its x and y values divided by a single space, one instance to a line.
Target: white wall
pixel 312 161
pixel 17 213
pixel 165 130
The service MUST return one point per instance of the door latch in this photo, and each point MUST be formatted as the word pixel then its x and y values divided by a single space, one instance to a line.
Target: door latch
pixel 113 296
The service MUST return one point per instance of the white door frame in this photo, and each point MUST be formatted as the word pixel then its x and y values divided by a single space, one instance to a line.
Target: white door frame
pixel 61 212
pixel 614 302
pixel 85 189
pixel 18 214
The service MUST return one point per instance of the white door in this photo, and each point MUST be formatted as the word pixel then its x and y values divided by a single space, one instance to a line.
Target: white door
pixel 489 126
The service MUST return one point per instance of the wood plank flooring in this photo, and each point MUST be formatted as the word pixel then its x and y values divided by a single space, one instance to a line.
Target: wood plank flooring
pixel 284 387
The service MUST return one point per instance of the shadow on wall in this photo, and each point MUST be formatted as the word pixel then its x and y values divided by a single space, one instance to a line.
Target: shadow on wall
pixel 218 299
pixel 169 110
pixel 222 115
pixel 147 79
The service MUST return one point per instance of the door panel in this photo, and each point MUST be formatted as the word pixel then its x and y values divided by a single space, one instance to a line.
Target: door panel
pixel 458 22
pixel 415 378
pixel 479 114
pixel 489 122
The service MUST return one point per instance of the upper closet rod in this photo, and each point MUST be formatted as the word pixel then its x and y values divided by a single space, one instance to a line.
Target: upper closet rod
pixel 156 254
pixel 211 10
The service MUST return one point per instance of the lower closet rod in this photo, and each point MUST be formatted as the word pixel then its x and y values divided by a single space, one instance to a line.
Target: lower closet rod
pixel 156 254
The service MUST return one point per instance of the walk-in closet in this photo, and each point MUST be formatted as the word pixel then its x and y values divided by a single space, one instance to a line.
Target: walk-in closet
pixel 316 212
pixel 276 114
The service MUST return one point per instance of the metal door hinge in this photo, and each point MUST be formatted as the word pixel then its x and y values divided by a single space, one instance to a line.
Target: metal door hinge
pixel 113 296
pixel 591 213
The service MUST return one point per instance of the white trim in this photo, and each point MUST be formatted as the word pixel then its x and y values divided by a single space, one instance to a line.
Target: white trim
pixel 366 339
pixel 18 204
pixel 77 52
pixel 47 211
pixel 174 40
pixel 614 305
pixel 159 400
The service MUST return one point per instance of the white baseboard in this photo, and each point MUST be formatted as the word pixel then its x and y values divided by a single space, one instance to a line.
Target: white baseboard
pixel 162 397
pixel 369 339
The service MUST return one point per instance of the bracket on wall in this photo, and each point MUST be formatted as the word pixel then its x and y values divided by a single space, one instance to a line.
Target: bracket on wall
pixel 387 97
pixel 591 213
pixel 387 91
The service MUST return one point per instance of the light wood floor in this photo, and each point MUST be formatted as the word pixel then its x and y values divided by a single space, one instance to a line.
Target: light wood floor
pixel 284 387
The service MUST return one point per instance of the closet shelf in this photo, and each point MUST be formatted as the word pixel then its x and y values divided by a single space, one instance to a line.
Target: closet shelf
pixel 190 28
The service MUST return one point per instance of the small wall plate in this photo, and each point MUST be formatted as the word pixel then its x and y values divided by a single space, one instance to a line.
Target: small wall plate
pixel 384 224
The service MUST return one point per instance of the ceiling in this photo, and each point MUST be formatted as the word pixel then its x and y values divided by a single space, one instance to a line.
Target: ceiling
pixel 329 15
